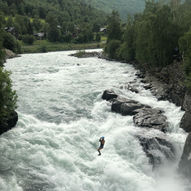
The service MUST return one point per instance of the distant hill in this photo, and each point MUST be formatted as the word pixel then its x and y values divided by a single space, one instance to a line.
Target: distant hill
pixel 124 7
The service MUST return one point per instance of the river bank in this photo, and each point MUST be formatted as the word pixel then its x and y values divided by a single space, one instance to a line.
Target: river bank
pixel 165 83
pixel 41 46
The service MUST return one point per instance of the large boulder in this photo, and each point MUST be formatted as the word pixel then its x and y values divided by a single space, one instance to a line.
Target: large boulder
pixel 186 122
pixel 109 95
pixel 9 122
pixel 151 118
pixel 157 149
pixel 125 106
pixel 185 162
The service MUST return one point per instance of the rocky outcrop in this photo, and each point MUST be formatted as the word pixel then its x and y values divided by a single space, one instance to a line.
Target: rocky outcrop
pixel 166 83
pixel 185 162
pixel 146 117
pixel 156 149
pixel 10 54
pixel 9 122
pixel 125 106
pixel 151 118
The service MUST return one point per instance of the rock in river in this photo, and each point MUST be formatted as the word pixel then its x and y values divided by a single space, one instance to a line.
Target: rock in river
pixel 157 149
pixel 125 106
pixel 151 118
pixel 9 122
pixel 185 162
pixel 109 95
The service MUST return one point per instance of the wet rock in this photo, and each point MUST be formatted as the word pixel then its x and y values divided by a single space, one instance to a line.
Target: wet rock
pixel 10 54
pixel 126 106
pixel 157 149
pixel 109 95
pixel 185 162
pixel 144 81
pixel 140 75
pixel 186 122
pixel 151 118
pixel 9 122
pixel 148 86
pixel 84 54
pixel 130 88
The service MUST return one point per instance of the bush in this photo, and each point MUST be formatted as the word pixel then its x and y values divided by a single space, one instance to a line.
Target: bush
pixel 112 48
pixel 98 37
pixel 8 97
pixel 43 48
pixel 10 42
pixel 28 39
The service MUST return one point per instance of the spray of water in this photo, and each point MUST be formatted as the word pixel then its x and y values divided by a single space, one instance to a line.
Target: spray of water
pixel 62 116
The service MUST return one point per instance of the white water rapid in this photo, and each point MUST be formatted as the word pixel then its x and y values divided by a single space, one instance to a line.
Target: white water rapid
pixel 61 118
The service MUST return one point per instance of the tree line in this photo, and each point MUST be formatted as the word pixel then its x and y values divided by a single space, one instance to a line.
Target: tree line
pixel 155 37
pixel 55 20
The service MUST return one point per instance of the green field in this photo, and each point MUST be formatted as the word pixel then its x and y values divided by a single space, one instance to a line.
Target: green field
pixel 46 46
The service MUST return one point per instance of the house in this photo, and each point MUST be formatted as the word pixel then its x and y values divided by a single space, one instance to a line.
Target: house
pixel 39 35
pixel 103 30
pixel 10 30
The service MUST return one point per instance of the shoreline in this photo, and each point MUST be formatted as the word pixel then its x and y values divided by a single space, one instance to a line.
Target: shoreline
pixel 55 47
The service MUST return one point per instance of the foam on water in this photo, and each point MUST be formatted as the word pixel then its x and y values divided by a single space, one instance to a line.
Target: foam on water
pixel 62 116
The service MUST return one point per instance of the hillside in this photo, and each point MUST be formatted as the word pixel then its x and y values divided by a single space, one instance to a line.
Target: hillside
pixel 124 7
pixel 53 20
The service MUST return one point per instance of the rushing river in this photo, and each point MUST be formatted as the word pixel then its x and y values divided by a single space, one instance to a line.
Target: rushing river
pixel 62 116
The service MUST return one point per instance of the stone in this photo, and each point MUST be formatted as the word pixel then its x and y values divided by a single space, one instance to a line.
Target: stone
pixel 151 118
pixel 9 123
pixel 130 88
pixel 186 122
pixel 109 95
pixel 125 106
pixel 185 161
pixel 157 149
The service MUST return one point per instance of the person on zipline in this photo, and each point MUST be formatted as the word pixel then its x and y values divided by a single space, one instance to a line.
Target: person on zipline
pixel 102 142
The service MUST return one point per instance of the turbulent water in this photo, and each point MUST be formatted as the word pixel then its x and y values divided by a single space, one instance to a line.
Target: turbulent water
pixel 62 116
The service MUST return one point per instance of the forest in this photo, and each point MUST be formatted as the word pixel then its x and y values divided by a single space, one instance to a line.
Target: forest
pixel 55 20
pixel 153 38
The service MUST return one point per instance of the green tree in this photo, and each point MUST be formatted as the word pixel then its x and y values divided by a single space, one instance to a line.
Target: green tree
pixel 54 33
pixel 127 49
pixel 114 31
pixel 8 97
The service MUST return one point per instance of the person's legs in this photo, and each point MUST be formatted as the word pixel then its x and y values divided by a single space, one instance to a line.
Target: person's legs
pixel 99 150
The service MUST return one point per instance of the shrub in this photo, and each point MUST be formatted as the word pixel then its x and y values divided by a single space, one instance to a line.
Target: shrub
pixel 10 42
pixel 28 39
pixel 8 97
pixel 112 48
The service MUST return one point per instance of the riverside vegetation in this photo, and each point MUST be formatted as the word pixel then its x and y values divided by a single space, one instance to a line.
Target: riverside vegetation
pixel 8 97
pixel 58 22
pixel 155 37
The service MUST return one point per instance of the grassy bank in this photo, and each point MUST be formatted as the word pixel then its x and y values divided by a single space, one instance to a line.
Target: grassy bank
pixel 46 46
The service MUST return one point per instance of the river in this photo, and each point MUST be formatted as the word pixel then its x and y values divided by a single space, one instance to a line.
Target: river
pixel 61 118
